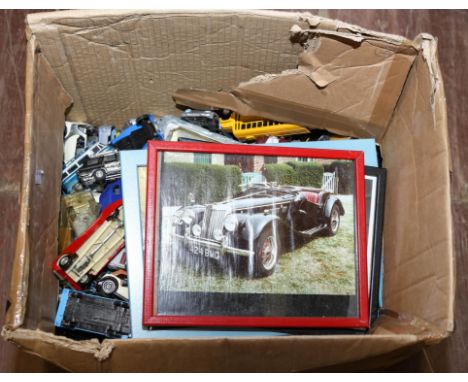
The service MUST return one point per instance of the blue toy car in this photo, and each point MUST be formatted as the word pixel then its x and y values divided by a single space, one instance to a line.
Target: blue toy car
pixel 136 135
pixel 111 194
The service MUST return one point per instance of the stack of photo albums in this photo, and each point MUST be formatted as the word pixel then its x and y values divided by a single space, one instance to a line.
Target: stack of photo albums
pixel 248 240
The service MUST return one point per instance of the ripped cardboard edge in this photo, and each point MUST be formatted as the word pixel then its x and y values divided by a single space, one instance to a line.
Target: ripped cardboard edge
pixel 336 26
pixel 42 344
pixel 46 20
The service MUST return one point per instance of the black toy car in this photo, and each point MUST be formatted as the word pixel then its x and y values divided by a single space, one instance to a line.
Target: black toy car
pixel 206 119
pixel 258 224
pixel 100 169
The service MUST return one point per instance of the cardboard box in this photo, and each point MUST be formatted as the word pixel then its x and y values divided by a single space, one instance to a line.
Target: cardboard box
pixel 107 66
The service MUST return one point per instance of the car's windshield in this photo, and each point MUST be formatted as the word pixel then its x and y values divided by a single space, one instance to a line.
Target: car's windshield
pixel 262 190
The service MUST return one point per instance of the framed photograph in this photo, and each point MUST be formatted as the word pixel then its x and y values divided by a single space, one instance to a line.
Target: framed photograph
pixel 375 179
pixel 254 236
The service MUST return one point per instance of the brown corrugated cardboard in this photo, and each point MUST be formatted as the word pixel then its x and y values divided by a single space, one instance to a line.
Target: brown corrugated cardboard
pixel 318 92
pixel 118 64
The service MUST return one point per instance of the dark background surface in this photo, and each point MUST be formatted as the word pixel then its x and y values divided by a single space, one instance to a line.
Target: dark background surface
pixel 450 27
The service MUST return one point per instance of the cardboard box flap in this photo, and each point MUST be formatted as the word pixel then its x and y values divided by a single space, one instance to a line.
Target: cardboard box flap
pixel 286 354
pixel 32 284
pixel 117 64
pixel 321 92
pixel 419 260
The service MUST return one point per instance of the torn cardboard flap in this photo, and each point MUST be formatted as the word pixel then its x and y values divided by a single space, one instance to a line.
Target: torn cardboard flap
pixel 85 355
pixel 321 92
pixel 354 31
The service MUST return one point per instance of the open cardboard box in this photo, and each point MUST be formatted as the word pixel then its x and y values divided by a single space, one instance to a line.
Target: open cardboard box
pixel 107 66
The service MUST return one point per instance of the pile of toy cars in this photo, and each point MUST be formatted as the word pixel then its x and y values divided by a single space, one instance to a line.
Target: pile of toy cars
pixel 92 260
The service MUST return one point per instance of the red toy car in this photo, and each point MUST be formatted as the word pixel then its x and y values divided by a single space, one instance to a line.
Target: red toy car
pixel 85 258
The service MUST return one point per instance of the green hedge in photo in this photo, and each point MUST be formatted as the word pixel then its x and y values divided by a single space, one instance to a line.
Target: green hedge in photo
pixel 281 173
pixel 310 174
pixel 345 172
pixel 205 183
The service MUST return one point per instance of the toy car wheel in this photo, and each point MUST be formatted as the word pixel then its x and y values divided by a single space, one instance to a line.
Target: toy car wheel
pixel 99 174
pixel 65 262
pixel 333 221
pixel 266 253
pixel 108 286
pixel 85 280
pixel 78 187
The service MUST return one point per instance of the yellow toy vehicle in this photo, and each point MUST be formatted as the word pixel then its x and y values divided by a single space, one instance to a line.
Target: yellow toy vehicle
pixel 250 128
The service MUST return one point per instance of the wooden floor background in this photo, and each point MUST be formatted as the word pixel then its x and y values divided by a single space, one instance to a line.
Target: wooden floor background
pixel 450 27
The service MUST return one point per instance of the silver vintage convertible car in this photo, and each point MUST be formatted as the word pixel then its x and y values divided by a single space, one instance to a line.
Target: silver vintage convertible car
pixel 258 224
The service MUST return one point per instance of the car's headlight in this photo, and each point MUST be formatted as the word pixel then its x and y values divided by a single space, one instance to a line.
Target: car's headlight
pixel 218 234
pixel 188 216
pixel 178 216
pixel 196 230
pixel 230 223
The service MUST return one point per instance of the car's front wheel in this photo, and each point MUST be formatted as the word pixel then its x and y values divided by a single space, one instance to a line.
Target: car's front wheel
pixel 65 262
pixel 108 286
pixel 333 221
pixel 267 251
pixel 99 175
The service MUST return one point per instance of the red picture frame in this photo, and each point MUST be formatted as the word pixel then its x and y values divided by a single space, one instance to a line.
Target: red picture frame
pixel 153 317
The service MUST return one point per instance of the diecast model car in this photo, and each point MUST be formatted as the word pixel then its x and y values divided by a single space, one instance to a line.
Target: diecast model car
pixel 82 210
pixel 205 118
pixel 258 224
pixel 83 260
pixel 100 169
pixel 75 139
pixel 70 170
pixel 90 315
pixel 114 284
pixel 250 128
pixel 136 135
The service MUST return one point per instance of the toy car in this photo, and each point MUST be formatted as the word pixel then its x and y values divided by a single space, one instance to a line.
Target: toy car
pixel 111 193
pixel 83 260
pixel 69 173
pixel 206 119
pixel 250 128
pixel 100 169
pixel 257 224
pixel 114 283
pixel 177 130
pixel 85 313
pixel 137 134
pixel 106 133
pixel 119 261
pixel 82 210
pixel 75 139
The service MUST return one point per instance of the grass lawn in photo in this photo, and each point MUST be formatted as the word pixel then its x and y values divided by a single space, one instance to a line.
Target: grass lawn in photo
pixel 324 265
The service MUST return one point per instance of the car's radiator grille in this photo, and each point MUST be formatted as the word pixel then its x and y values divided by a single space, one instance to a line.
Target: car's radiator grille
pixel 212 219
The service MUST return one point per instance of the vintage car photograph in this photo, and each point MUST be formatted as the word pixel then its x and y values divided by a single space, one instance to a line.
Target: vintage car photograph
pixel 257 224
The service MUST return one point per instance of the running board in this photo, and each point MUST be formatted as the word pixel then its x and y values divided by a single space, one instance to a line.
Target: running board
pixel 314 230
